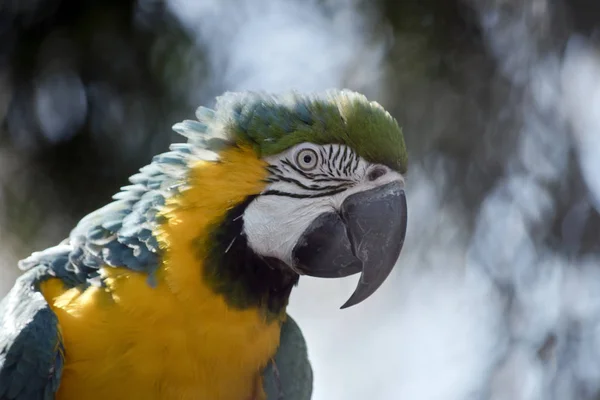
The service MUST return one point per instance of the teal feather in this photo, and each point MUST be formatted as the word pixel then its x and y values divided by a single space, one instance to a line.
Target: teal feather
pixel 290 376
pixel 31 349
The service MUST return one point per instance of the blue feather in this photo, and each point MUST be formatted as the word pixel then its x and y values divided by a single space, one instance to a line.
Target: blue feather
pixel 31 357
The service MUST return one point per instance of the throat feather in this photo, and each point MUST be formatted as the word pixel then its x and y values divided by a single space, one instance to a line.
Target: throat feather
pixel 233 270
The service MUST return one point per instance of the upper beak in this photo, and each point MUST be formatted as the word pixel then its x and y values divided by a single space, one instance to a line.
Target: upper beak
pixel 366 235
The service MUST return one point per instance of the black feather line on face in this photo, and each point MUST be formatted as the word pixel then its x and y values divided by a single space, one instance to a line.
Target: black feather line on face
pixel 329 157
pixel 343 161
pixel 356 163
pixel 308 175
pixel 333 179
pixel 349 163
pixel 312 187
pixel 301 195
pixel 335 159
pixel 274 169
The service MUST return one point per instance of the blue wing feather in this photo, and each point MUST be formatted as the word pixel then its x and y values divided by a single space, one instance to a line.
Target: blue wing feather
pixel 289 376
pixel 120 234
pixel 31 348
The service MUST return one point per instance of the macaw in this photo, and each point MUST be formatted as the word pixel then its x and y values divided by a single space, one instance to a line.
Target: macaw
pixel 178 288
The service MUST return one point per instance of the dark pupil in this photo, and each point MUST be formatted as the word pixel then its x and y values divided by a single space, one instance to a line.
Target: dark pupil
pixel 307 158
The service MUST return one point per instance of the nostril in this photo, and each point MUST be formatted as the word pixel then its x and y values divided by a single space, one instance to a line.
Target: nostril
pixel 376 173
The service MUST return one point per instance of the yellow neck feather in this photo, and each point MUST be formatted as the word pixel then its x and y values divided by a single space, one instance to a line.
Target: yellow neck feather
pixel 214 188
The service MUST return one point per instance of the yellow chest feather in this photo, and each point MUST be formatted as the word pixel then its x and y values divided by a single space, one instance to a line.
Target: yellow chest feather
pixel 160 349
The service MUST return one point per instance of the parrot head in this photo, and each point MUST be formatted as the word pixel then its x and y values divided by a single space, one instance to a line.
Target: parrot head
pixel 328 212
pixel 331 199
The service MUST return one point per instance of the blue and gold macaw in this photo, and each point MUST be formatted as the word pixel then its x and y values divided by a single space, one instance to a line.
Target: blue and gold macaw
pixel 178 289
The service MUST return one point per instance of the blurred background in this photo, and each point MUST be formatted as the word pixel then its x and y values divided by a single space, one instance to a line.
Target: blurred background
pixel 497 292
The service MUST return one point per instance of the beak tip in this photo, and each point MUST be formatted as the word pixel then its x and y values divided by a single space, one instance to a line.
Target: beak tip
pixel 336 244
pixel 347 304
pixel 357 297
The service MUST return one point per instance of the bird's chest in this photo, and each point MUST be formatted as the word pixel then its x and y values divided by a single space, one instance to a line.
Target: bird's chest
pixel 164 353
pixel 154 371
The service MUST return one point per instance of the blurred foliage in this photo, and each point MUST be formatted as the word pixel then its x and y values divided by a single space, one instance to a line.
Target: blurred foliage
pixel 89 90
pixel 441 72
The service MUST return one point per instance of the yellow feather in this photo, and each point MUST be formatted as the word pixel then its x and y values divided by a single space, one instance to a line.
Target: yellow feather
pixel 178 340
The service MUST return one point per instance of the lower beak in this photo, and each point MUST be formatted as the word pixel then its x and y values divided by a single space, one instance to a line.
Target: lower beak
pixel 366 235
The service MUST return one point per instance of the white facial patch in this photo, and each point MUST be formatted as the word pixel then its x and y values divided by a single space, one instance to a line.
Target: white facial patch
pixel 307 181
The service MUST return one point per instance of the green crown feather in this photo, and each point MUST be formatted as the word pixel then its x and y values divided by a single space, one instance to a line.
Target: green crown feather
pixel 274 123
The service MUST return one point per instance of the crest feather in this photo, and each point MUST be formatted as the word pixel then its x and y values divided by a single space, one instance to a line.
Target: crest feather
pixel 273 123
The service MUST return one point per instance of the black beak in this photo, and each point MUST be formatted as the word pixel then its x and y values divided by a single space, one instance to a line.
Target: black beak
pixel 366 235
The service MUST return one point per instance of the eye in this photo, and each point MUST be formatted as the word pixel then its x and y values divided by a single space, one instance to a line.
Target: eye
pixel 307 159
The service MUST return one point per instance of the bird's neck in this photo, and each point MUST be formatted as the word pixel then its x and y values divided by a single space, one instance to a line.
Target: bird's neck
pixel 233 270
pixel 205 252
